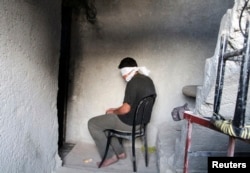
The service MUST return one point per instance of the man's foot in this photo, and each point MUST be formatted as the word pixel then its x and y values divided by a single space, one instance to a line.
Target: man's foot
pixel 122 156
pixel 109 161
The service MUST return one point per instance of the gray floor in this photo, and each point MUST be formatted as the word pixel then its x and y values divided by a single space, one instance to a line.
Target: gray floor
pixel 83 158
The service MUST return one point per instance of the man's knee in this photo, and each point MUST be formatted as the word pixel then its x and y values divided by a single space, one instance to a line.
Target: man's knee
pixel 91 122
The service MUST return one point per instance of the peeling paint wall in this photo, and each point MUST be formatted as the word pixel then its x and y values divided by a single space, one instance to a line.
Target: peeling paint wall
pixel 29 55
pixel 172 38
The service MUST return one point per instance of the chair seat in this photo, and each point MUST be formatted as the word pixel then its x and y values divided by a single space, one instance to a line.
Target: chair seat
pixel 125 134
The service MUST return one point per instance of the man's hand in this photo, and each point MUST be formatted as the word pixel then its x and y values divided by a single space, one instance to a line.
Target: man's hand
pixel 110 110
pixel 123 109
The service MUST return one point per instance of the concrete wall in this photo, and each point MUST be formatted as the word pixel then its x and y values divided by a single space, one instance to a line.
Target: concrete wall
pixel 172 38
pixel 29 53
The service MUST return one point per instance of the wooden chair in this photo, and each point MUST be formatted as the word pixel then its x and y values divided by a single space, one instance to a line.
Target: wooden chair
pixel 143 116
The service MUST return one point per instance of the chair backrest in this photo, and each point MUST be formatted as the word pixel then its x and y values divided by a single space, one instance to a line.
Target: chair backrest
pixel 144 110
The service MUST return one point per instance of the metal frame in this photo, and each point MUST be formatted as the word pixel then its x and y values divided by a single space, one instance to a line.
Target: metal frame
pixel 241 100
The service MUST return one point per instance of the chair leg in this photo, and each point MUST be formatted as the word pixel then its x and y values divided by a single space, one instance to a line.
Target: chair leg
pixel 106 150
pixel 146 149
pixel 133 153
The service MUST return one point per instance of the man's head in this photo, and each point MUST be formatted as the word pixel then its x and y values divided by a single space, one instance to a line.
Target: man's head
pixel 128 68
pixel 127 62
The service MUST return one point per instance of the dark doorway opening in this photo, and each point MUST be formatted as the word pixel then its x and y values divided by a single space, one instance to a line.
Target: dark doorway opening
pixel 63 77
pixel 67 9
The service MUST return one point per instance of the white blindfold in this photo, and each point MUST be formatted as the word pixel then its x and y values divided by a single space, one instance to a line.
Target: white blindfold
pixel 129 72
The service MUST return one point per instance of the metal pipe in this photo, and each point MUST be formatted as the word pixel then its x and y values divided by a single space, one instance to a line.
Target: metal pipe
pixel 220 75
pixel 240 108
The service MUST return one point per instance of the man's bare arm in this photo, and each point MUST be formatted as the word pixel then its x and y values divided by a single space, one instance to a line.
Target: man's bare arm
pixel 123 109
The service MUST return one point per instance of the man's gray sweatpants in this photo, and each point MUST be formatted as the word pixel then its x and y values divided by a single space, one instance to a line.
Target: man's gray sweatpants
pixel 98 124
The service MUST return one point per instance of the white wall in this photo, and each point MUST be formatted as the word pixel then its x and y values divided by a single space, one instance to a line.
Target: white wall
pixel 29 53
pixel 171 38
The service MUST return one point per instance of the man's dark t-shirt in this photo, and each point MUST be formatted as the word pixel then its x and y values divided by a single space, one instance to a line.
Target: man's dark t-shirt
pixel 138 87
